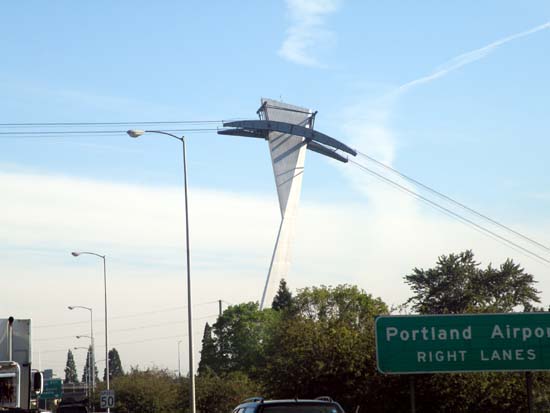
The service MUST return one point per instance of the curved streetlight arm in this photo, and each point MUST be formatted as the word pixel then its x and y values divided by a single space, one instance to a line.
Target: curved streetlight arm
pixel 76 254
pixel 166 133
pixel 72 307
pixel 136 133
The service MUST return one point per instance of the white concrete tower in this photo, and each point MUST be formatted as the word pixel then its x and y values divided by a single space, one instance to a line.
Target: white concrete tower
pixel 288 153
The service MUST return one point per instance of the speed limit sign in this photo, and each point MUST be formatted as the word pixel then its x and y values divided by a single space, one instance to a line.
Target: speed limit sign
pixel 107 399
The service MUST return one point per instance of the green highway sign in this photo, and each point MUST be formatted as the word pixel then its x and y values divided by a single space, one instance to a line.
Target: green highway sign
pixel 465 342
pixel 53 389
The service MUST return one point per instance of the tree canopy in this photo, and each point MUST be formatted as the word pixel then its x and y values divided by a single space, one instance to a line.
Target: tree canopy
pixel 147 391
pixel 283 298
pixel 457 285
pixel 115 365
pixel 88 369
pixel 71 376
pixel 209 358
pixel 241 333
pixel 326 346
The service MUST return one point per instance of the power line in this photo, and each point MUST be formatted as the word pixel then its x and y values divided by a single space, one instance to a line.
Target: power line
pixel 99 134
pixel 454 201
pixel 73 124
pixel 126 342
pixel 164 310
pixel 451 213
pixel 141 327
pixel 87 132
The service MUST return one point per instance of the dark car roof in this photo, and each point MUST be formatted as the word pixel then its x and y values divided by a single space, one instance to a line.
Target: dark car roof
pixel 288 401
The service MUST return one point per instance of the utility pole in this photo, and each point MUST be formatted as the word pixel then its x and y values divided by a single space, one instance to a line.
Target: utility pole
pixel 220 307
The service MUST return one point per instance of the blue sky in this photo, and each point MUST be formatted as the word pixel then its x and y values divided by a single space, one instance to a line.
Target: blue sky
pixel 477 131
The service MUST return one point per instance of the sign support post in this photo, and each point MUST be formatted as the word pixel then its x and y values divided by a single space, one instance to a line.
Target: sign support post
pixel 413 394
pixel 529 385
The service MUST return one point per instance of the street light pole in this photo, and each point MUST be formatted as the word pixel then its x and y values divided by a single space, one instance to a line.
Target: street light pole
pixel 87 376
pixel 76 254
pixel 72 307
pixel 135 134
pixel 179 364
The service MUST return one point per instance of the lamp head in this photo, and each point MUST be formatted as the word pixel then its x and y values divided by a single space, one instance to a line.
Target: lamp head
pixel 135 133
pixel 70 307
pixel 75 254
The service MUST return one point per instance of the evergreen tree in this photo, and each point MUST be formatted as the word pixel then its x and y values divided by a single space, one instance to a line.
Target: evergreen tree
pixel 283 298
pixel 89 357
pixel 209 352
pixel 115 365
pixel 71 376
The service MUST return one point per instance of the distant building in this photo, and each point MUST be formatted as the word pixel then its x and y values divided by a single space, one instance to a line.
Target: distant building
pixel 48 374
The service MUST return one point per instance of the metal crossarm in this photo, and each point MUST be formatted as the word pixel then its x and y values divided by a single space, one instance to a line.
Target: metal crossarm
pixel 290 129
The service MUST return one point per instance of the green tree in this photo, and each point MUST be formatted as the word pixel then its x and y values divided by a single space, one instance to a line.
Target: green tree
pixel 149 391
pixel 326 347
pixel 283 298
pixel 115 366
pixel 240 336
pixel 87 366
pixel 457 285
pixel 71 376
pixel 220 394
pixel 209 354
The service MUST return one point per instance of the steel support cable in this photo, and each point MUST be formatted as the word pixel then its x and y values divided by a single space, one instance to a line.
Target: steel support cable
pixel 455 215
pixel 454 201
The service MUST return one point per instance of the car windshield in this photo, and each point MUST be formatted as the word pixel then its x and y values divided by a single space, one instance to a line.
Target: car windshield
pixel 302 408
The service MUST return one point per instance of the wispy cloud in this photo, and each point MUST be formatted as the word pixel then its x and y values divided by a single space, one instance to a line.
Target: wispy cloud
pixel 307 32
pixel 368 122
pixel 367 126
pixel 470 57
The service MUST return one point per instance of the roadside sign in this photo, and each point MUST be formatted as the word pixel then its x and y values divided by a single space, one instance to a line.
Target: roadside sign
pixel 464 342
pixel 107 399
pixel 53 389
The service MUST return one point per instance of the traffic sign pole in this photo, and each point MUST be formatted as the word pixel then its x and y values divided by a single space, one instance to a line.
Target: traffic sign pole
pixel 529 385
pixel 413 394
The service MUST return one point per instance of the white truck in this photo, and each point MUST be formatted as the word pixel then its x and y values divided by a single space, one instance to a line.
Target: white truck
pixel 18 382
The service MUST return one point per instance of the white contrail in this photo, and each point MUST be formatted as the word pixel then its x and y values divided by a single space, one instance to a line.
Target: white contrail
pixel 469 57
